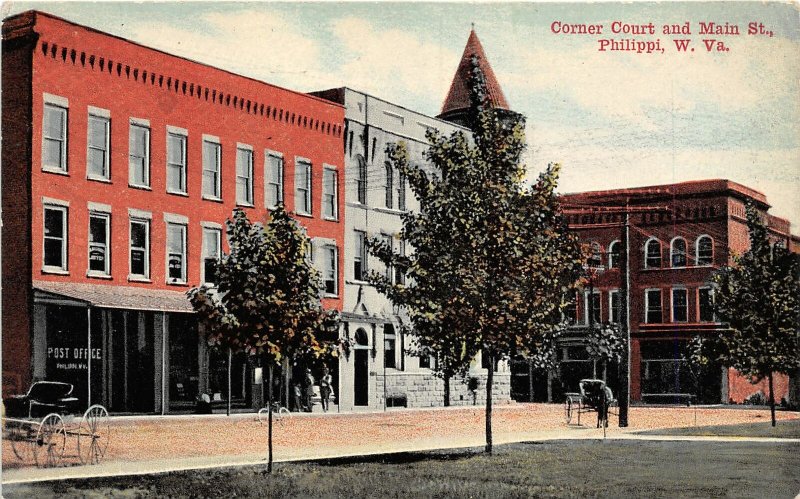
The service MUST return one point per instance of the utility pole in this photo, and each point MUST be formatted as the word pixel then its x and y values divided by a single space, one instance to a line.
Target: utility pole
pixel 624 396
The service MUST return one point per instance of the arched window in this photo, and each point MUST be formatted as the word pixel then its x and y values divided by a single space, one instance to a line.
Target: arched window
pixel 361 181
pixel 677 251
pixel 596 257
pixel 614 254
pixel 389 184
pixel 704 250
pixel 401 191
pixel 362 339
pixel 652 252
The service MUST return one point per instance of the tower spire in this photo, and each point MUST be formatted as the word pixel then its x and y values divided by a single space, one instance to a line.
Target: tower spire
pixel 456 105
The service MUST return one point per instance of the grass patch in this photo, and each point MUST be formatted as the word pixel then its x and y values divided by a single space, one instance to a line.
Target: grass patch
pixel 784 429
pixel 585 468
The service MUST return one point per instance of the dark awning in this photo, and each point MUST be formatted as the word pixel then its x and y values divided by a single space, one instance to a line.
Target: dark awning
pixel 111 296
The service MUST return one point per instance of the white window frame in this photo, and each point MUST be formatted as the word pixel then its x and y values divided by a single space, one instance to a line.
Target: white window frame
pixel 611 293
pixel 183 136
pixel 672 252
pixel 697 251
pixel 248 179
pixel 331 260
pixel 210 228
pixel 64 209
pixel 307 208
pixel 216 195
pixel 170 223
pixel 268 157
pixel 672 303
pixel 389 186
pixel 61 105
pixel 660 253
pixel 360 254
pixel 362 177
pixel 699 308
pixel 107 243
pixel 142 218
pixel 330 193
pixel 103 116
pixel 136 123
pixel 599 313
pixel 647 304
pixel 400 276
pixel 612 262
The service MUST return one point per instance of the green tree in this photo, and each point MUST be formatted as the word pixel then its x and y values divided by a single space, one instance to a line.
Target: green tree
pixel 266 298
pixel 491 256
pixel 605 344
pixel 757 298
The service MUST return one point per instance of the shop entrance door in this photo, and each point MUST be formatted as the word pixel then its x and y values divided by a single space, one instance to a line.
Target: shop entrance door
pixel 361 374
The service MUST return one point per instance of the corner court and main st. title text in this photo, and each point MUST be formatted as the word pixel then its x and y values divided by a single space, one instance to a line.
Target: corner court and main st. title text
pixel 637 37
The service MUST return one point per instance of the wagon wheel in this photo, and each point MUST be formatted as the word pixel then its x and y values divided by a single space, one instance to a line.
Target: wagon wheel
pixel 23 440
pixel 51 440
pixel 93 434
pixel 568 410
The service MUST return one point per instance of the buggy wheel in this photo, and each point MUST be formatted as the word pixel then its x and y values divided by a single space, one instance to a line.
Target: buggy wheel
pixel 284 412
pixel 93 434
pixel 51 439
pixel 568 410
pixel 23 440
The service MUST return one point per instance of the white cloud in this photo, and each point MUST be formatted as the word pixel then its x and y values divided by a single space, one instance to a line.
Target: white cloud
pixel 392 63
pixel 627 85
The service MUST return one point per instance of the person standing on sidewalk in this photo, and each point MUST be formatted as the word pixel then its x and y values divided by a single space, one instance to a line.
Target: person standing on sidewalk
pixel 308 390
pixel 325 388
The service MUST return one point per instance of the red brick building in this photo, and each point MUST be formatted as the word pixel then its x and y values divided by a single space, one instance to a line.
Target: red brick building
pixel 120 165
pixel 679 234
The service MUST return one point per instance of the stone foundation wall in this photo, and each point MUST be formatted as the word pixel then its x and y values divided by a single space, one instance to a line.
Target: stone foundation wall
pixel 422 389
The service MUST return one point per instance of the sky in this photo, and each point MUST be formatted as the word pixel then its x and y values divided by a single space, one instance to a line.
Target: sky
pixel 613 119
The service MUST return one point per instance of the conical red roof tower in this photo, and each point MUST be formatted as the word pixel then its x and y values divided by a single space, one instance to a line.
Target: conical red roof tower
pixel 457 103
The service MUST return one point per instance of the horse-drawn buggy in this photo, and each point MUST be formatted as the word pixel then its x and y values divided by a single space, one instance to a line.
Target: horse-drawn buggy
pixel 38 423
pixel 594 396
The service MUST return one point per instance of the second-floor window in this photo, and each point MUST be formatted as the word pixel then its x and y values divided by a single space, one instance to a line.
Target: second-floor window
pixel 176 253
pixel 652 299
pixel 274 175
pixel 176 163
pixel 212 239
pixel 330 270
pixel 705 304
pixel 399 275
pixel 614 310
pixel 54 138
pixel 99 232
pixel 387 240
pixel 592 307
pixel 139 155
pixel 360 256
pixel 329 193
pixel 140 248
pixel 212 182
pixel 98 137
pixel 55 238
pixel 302 187
pixel 680 304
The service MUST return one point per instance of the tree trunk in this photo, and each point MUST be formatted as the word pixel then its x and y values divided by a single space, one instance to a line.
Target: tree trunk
pixel 446 379
pixel 489 380
pixel 771 400
pixel 269 425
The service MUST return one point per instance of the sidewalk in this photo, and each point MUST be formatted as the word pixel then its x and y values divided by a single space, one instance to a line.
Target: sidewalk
pixel 142 445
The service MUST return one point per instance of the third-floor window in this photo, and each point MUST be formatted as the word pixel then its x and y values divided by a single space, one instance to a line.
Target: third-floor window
pixel 97 159
pixel 139 155
pixel 244 175
pixel 274 182
pixel 212 157
pixel 302 180
pixel 176 163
